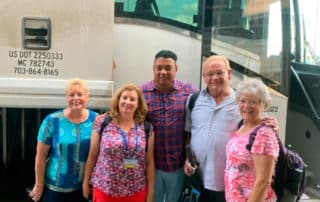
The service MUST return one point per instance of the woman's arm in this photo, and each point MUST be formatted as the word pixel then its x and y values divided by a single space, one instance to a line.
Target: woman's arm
pixel 40 169
pixel 91 162
pixel 150 168
pixel 264 165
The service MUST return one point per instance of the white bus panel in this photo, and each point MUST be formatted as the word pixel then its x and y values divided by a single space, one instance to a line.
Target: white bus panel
pixel 45 43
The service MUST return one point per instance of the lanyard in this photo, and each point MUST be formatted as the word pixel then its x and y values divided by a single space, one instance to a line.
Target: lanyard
pixel 123 134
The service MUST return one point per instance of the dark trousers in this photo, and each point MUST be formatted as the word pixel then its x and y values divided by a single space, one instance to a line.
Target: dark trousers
pixel 53 196
pixel 212 196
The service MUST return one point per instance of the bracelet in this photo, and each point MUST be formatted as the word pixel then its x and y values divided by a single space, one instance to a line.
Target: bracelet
pixel 38 185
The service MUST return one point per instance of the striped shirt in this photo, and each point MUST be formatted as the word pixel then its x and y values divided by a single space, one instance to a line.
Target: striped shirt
pixel 69 147
pixel 166 112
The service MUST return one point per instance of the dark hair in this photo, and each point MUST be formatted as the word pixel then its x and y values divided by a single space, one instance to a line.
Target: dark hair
pixel 166 54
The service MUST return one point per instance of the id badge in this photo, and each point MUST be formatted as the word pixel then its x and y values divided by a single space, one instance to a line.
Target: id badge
pixel 130 163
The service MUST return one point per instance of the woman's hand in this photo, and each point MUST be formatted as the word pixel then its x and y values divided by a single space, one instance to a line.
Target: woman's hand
pixel 86 190
pixel 150 168
pixel 36 192
pixel 149 197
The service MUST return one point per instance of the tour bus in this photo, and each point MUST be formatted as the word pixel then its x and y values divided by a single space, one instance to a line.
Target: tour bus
pixel 45 43
pixel 274 40
pixel 110 43
pixel 277 41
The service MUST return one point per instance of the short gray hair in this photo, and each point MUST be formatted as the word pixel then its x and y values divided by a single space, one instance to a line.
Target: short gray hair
pixel 254 86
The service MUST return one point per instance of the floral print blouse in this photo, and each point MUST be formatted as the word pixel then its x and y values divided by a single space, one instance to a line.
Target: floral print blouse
pixel 240 170
pixel 110 175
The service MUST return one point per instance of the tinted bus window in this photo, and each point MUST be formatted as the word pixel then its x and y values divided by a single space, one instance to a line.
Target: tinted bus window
pixel 249 33
pixel 183 11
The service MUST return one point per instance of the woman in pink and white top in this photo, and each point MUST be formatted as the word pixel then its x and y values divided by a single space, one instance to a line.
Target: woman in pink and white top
pixel 248 174
pixel 119 166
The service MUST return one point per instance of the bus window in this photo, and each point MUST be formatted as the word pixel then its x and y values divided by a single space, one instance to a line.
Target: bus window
pixel 181 11
pixel 249 33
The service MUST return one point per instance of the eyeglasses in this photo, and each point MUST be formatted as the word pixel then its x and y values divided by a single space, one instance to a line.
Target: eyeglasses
pixel 249 102
pixel 211 74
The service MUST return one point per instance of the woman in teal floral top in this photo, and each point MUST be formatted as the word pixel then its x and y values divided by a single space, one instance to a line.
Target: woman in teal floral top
pixel 62 148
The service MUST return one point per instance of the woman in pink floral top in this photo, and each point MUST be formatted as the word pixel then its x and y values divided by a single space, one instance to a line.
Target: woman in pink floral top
pixel 120 167
pixel 248 174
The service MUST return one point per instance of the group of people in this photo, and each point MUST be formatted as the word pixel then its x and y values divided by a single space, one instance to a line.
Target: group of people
pixel 230 172
pixel 78 156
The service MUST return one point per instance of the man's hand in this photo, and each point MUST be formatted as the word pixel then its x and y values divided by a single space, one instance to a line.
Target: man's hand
pixel 271 122
pixel 188 169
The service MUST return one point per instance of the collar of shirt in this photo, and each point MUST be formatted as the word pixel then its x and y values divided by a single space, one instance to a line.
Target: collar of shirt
pixel 152 86
pixel 229 99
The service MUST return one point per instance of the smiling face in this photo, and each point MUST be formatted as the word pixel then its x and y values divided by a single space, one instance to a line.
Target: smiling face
pixel 164 72
pixel 128 102
pixel 251 108
pixel 216 75
pixel 77 97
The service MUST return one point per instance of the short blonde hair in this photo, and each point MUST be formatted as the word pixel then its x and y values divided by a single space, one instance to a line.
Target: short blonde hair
pixel 140 113
pixel 77 82
pixel 254 86
pixel 216 57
